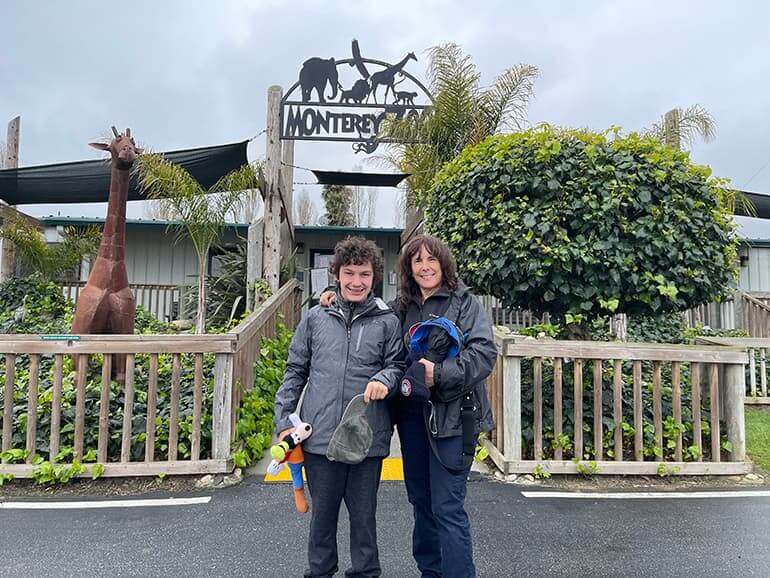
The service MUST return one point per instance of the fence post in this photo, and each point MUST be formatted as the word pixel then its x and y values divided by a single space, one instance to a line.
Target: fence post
pixel 733 394
pixel 223 405
pixel 511 408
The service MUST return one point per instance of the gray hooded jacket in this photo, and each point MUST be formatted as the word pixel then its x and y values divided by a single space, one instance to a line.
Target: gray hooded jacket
pixel 334 353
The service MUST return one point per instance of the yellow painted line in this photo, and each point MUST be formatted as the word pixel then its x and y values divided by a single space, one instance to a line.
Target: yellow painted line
pixel 392 470
pixel 283 476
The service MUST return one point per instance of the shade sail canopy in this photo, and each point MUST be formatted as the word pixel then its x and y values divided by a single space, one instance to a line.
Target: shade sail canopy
pixel 761 203
pixel 89 181
pixel 359 179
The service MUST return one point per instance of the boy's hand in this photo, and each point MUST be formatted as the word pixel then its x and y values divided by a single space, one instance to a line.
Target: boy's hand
pixel 327 298
pixel 285 432
pixel 374 391
pixel 428 372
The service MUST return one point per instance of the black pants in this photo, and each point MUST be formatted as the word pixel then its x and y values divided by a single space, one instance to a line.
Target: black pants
pixel 441 539
pixel 330 483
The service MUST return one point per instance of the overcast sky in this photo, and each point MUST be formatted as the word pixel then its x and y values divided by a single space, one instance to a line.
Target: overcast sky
pixel 187 74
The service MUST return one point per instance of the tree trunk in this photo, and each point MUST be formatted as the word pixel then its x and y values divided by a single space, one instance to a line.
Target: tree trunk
pixel 620 326
pixel 200 320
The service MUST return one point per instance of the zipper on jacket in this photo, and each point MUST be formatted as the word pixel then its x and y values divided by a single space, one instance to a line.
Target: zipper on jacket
pixel 358 341
pixel 347 356
pixel 348 329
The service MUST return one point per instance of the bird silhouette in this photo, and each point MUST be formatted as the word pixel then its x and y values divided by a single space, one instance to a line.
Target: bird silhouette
pixel 358 62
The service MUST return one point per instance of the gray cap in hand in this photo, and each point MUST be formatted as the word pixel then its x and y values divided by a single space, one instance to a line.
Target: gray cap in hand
pixel 353 437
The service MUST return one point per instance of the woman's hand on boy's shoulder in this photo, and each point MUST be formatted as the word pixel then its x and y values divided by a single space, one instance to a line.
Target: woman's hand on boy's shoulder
pixel 327 298
pixel 375 391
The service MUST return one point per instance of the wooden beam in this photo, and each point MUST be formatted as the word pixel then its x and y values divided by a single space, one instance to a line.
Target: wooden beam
pixel 12 144
pixel 633 468
pixel 286 188
pixel 223 405
pixel 223 343
pixel 626 351
pixel 271 248
pixel 7 250
pixel 254 253
pixel 733 393
pixel 118 470
pixel 512 407
pixel 254 322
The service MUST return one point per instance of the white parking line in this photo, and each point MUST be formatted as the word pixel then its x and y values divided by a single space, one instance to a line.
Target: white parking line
pixel 104 504
pixel 647 495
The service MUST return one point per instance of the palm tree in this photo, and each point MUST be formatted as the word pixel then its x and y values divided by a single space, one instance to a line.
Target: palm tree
pixel 202 213
pixel 55 261
pixel 463 113
pixel 684 126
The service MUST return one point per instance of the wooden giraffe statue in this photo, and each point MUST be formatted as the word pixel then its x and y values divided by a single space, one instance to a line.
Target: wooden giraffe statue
pixel 106 304
pixel 387 77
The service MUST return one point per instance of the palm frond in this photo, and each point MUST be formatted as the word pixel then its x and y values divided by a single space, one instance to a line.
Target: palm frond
pixel 504 104
pixel 692 123
pixel 696 122
pixel 161 179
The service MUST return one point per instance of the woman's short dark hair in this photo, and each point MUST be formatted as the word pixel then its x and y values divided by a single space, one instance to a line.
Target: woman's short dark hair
pixel 436 247
pixel 357 251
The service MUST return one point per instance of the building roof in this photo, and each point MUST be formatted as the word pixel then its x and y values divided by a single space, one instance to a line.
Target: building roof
pixel 138 223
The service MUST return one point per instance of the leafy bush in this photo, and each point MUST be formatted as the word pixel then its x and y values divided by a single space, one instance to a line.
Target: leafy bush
pixel 254 429
pixel 575 222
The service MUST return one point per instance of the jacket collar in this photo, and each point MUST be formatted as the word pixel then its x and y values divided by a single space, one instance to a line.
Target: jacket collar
pixel 442 292
pixel 350 310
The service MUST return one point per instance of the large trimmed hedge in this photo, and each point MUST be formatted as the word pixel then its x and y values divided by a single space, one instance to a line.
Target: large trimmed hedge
pixel 570 221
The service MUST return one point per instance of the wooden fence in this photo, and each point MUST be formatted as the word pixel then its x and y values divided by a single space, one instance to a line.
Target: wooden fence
pixel 748 311
pixel 758 367
pixel 535 380
pixel 164 302
pixel 214 367
pixel 756 314
pixel 285 307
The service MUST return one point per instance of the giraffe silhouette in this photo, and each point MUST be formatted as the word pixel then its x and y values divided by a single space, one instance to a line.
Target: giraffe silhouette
pixel 387 77
pixel 106 304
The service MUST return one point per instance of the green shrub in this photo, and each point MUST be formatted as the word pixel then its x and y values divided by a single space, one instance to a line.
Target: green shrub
pixel 254 429
pixel 582 223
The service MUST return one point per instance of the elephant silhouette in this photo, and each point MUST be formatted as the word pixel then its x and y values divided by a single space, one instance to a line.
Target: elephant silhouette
pixel 314 75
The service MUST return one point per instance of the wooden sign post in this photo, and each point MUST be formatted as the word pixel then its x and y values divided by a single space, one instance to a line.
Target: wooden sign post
pixel 7 250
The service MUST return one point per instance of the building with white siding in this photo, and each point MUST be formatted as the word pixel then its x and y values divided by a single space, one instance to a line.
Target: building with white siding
pixel 156 257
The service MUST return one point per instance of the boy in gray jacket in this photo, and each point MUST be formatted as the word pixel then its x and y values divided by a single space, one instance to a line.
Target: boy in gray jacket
pixel 351 347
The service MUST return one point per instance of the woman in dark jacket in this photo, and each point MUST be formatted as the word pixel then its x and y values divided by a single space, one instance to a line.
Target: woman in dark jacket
pixel 431 432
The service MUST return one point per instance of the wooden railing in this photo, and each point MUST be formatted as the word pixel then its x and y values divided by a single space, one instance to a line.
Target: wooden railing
pixel 757 370
pixel 514 318
pixel 538 380
pixel 751 312
pixel 720 315
pixel 47 377
pixel 164 302
pixel 285 307
pixel 756 315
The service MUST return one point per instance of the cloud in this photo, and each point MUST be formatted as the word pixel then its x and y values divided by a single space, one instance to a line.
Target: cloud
pixel 186 74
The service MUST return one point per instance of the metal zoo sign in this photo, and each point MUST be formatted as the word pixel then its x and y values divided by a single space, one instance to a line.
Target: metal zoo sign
pixel 347 100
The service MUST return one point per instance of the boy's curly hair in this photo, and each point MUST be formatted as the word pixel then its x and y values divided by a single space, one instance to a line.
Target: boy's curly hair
pixel 357 251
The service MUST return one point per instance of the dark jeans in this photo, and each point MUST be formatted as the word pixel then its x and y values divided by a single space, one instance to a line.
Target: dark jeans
pixel 441 540
pixel 330 483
